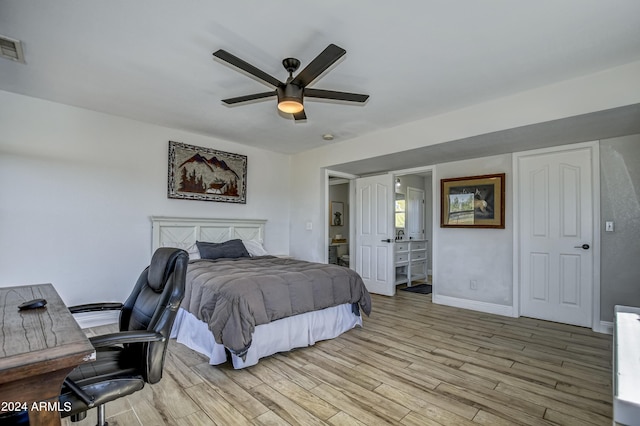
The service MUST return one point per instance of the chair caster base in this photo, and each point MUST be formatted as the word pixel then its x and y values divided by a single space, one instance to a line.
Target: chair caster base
pixel 78 417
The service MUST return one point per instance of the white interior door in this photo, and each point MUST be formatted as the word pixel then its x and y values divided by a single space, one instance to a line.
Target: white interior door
pixel 375 233
pixel 555 193
pixel 415 213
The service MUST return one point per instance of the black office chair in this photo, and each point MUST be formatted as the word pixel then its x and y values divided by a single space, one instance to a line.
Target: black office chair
pixel 134 356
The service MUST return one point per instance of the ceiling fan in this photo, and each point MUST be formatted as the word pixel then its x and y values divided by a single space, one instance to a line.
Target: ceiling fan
pixel 292 93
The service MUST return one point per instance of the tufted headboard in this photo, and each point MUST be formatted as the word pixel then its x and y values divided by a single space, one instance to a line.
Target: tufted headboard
pixel 185 231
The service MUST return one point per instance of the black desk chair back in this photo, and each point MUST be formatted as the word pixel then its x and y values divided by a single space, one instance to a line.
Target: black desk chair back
pixel 134 356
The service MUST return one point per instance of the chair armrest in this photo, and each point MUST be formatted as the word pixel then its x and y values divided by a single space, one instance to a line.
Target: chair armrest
pixel 122 337
pixel 89 400
pixel 92 307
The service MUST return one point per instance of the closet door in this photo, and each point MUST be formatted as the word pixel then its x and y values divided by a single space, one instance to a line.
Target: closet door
pixel 556 234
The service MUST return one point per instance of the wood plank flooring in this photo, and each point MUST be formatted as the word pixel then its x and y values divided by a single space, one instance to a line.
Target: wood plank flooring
pixel 413 363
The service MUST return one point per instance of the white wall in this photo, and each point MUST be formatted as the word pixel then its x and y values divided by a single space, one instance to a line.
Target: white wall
pixel 77 189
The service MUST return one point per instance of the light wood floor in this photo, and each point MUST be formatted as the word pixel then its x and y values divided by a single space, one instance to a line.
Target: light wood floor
pixel 413 363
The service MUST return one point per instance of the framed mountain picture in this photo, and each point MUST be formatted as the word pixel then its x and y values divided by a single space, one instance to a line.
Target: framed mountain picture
pixel 205 174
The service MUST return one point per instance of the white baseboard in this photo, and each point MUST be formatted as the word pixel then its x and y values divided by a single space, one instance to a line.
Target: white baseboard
pixel 605 327
pixel 474 305
pixel 94 319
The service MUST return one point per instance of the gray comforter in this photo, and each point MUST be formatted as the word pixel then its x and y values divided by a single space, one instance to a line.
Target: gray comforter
pixel 233 296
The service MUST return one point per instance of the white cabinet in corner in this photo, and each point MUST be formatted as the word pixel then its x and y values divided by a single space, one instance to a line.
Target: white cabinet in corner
pixel 410 261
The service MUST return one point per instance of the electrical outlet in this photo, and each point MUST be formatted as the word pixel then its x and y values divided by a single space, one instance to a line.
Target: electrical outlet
pixel 473 285
pixel 309 226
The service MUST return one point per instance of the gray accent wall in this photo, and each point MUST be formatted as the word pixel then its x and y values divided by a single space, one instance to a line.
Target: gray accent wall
pixel 620 203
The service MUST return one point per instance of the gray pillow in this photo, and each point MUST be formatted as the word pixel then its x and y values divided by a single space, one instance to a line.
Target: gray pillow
pixel 231 249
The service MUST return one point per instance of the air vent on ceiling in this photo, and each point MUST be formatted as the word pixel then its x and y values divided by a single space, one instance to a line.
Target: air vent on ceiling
pixel 11 49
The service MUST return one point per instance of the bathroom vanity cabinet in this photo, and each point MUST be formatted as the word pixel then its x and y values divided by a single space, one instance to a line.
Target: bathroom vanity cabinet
pixel 410 261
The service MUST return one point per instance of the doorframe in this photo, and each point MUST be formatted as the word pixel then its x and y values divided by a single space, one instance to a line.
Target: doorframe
pixel 350 178
pixel 594 146
pixel 435 217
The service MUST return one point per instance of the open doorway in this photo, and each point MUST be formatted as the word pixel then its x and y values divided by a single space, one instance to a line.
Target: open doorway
pixel 339 218
pixel 363 255
pixel 413 209
pixel 339 221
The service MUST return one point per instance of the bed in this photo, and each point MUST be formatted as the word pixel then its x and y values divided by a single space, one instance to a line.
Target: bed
pixel 242 304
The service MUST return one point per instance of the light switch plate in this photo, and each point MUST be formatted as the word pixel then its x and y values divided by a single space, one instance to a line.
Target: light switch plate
pixel 608 226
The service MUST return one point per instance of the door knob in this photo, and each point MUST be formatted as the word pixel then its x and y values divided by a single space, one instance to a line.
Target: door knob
pixel 388 240
pixel 584 246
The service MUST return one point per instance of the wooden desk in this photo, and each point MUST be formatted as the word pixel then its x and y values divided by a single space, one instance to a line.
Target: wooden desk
pixel 38 349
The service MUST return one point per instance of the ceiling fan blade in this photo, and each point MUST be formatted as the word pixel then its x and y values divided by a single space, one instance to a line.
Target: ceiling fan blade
pixel 300 116
pixel 331 94
pixel 246 98
pixel 316 67
pixel 245 66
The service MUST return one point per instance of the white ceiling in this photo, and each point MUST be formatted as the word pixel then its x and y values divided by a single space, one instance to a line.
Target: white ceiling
pixel 151 60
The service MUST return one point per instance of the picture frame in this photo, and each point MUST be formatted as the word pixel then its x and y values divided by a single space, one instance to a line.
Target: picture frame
pixel 336 215
pixel 473 202
pixel 206 174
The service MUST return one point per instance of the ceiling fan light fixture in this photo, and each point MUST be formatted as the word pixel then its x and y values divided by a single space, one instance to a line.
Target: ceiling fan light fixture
pixel 290 99
pixel 290 106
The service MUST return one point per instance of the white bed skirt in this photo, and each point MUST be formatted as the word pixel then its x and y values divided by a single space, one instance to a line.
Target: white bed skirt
pixel 278 336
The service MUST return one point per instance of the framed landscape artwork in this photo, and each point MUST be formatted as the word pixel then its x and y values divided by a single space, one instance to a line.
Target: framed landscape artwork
pixel 197 173
pixel 473 202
